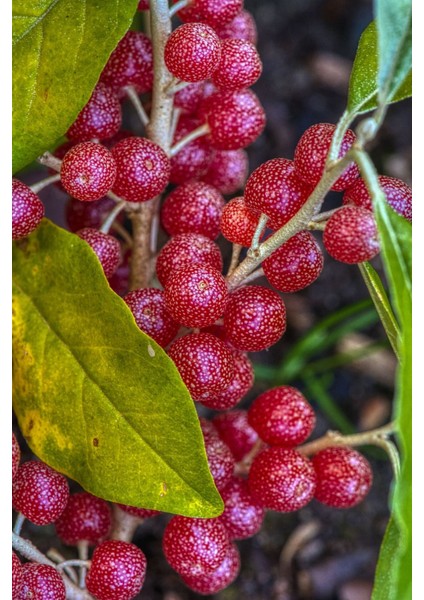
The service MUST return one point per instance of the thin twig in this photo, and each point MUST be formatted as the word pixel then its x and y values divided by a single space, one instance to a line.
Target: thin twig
pixel 58 558
pixel 18 524
pixel 48 160
pixel 40 185
pixel 136 102
pixel 178 6
pixel 235 255
pixel 257 235
pixel 255 275
pixel 108 222
pixel 190 137
pixel 124 525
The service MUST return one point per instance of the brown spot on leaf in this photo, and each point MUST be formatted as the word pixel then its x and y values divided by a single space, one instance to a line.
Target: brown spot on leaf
pixel 95 442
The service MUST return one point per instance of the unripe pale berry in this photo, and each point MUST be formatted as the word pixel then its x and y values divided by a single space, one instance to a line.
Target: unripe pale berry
pixel 27 210
pixel 39 492
pixel 311 154
pixel 193 207
pixel 151 315
pixel 192 161
pixel 117 571
pixel 242 382
pixel 254 318
pixel 282 479
pixel 344 476
pixel 238 222
pixel 106 247
pixel 351 235
pixel 143 169
pixel 227 170
pixel 100 118
pixel 242 27
pixel 41 581
pixel 220 578
pixel 242 516
pixel 85 518
pixel 275 190
pixel 88 171
pixel 398 194
pixel 282 417
pixel 239 67
pixel 195 546
pixel 295 264
pixel 16 455
pixel 233 427
pixel 192 52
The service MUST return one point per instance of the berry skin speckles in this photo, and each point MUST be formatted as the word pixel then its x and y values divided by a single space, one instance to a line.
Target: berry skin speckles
pixel 100 118
pixel 27 210
pixel 398 194
pixel 105 246
pixel 41 581
pixel 85 518
pixel 239 67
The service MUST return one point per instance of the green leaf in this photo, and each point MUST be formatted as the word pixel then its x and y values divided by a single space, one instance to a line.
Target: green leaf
pixel 394 26
pixel 363 84
pixel 59 50
pixel 382 304
pixel 95 397
pixel 387 573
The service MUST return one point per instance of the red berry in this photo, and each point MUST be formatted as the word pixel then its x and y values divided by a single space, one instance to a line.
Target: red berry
pixel 282 479
pixel 143 169
pixel 233 427
pixel 242 516
pixel 227 170
pixel 195 546
pixel 131 63
pixel 27 210
pixel 143 5
pixel 192 52
pixel 220 578
pixel 242 382
pixel 16 455
pixel 141 513
pixel 100 118
pixel 189 97
pixel 344 476
pixel 117 571
pixel 275 190
pixel 85 518
pixel 213 12
pixel 41 581
pixel 204 362
pixel 192 161
pixel 88 171
pixel 254 319
pixel 239 67
pixel 242 27
pixel 187 249
pixel 238 222
pixel 235 119
pixel 80 214
pixel 351 235
pixel 119 281
pixel 193 207
pixel 39 492
pixel 151 315
pixel 311 154
pixel 294 265
pixel 282 417
pixel 398 194
pixel 105 246
pixel 195 296
pixel 220 459
pixel 16 576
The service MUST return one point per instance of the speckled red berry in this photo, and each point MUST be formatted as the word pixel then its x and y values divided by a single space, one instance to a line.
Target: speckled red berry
pixel 220 459
pixel 239 67
pixel 233 427
pixel 193 207
pixel 213 12
pixel 100 118
pixel 187 249
pixel 88 171
pixel 189 97
pixel 85 518
pixel 275 190
pixel 151 315
pixel 398 194
pixel 195 546
pixel 131 63
pixel 141 513
pixel 238 222
pixel 282 417
pixel 192 161
pixel 16 455
pixel 311 154
pixel 344 476
pixel 117 571
pixel 16 576
pixel 39 492
pixel 294 265
pixel 80 214
pixel 242 516
pixel 351 235
pixel 41 581
pixel 105 246
pixel 119 281
pixel 192 52
pixel 220 578
pixel 236 119
pixel 254 318
pixel 242 27
pixel 27 210
pixel 227 170
pixel 143 169
pixel 204 362
pixel 241 383
pixel 282 479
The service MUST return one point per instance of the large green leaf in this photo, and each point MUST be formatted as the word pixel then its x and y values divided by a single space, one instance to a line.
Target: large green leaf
pixel 95 397
pixel 59 49
pixel 363 85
